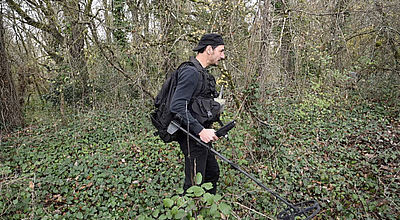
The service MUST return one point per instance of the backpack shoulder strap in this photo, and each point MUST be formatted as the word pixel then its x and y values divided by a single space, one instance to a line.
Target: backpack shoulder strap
pixel 200 85
pixel 199 68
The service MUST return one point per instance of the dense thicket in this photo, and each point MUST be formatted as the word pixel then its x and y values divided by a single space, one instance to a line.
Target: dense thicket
pixel 10 113
pixel 315 83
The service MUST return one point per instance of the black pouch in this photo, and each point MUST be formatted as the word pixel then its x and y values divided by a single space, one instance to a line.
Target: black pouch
pixel 205 110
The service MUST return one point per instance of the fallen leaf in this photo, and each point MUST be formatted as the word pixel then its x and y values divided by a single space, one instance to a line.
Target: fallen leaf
pixel 31 185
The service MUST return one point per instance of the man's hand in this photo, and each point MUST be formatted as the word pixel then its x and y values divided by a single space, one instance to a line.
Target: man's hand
pixel 207 135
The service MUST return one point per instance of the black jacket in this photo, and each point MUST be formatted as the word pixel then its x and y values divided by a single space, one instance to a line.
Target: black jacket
pixel 188 81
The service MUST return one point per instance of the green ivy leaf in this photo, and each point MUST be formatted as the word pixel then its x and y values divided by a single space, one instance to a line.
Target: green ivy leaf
pixel 180 202
pixel 208 198
pixel 156 212
pixel 207 186
pixel 168 202
pixel 180 214
pixel 196 190
pixel 199 178
pixel 217 197
pixel 174 211
pixel 224 208
pixel 213 209
pixel 79 215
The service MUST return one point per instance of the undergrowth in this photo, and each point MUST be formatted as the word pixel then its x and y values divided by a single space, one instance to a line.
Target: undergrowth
pixel 106 163
pixel 343 151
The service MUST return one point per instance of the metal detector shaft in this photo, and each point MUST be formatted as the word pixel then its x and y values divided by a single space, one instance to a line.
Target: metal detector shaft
pixel 235 166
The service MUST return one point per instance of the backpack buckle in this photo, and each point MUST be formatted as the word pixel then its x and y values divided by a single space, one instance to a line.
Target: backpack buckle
pixel 209 114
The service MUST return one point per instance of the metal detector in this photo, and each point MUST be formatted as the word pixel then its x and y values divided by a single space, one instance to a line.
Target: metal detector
pixel 307 209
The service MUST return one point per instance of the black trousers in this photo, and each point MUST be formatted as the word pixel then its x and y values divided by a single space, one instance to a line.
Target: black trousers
pixel 198 159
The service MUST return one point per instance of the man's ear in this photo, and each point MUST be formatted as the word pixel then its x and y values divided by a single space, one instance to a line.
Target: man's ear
pixel 209 49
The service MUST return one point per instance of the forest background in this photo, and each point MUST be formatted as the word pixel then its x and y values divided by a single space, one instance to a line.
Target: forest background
pixel 313 85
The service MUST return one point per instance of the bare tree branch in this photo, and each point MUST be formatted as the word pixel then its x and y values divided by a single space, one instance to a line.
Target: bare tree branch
pixel 114 65
pixel 27 19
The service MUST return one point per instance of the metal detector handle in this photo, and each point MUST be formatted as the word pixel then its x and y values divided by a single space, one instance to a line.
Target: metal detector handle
pixel 225 129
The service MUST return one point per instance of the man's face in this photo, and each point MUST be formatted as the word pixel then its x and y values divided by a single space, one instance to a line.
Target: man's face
pixel 217 54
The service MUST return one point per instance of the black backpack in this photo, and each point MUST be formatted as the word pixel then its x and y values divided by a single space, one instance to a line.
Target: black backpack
pixel 161 116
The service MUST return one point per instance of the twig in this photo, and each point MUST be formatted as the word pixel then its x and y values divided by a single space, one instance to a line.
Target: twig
pixel 280 39
pixel 252 210
pixel 360 34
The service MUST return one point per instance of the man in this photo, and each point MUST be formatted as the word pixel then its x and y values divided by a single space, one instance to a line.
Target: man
pixel 197 110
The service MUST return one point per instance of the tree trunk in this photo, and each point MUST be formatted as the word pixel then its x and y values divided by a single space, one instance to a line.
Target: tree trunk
pixel 10 109
pixel 287 53
pixel 119 23
pixel 338 20
pixel 168 31
pixel 107 21
pixel 75 44
pixel 134 8
pixel 266 34
pixel 385 27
